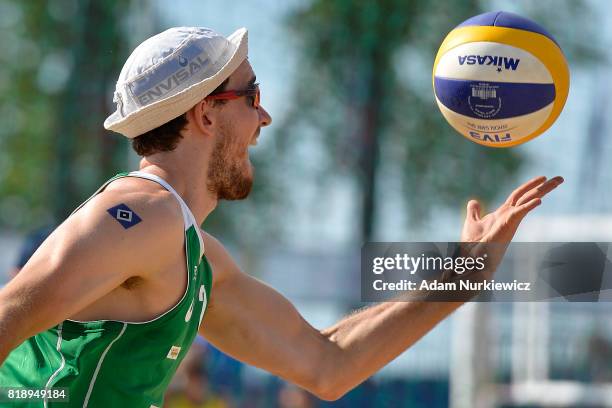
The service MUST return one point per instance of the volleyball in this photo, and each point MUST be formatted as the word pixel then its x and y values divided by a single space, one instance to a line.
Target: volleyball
pixel 500 79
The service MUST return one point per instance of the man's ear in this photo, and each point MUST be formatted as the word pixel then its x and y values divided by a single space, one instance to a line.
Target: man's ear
pixel 202 115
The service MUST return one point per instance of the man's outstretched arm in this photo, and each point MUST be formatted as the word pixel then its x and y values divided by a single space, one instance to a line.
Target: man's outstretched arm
pixel 255 324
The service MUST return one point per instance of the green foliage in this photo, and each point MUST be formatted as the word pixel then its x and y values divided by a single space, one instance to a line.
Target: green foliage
pixel 59 62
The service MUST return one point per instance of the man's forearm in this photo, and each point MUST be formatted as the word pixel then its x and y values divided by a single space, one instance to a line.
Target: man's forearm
pixel 5 345
pixel 11 329
pixel 3 355
pixel 366 341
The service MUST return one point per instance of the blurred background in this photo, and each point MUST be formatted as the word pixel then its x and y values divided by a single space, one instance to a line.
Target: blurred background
pixel 358 152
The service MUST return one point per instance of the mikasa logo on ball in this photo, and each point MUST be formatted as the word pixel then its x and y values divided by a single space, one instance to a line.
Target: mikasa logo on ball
pixel 496 61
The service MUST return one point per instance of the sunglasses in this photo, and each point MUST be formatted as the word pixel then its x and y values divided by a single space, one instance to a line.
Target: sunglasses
pixel 228 95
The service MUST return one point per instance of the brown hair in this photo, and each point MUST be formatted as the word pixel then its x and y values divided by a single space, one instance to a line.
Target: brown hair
pixel 166 137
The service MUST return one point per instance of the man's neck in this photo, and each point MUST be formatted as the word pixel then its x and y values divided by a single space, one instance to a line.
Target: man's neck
pixel 188 177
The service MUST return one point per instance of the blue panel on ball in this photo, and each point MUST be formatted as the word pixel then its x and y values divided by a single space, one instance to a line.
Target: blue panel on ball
pixel 505 19
pixel 492 100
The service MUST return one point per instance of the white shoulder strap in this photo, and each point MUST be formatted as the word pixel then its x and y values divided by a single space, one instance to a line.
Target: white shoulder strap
pixel 187 214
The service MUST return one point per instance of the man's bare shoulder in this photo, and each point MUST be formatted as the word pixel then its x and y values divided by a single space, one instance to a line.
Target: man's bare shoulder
pixel 155 207
pixel 119 234
pixel 137 218
pixel 220 259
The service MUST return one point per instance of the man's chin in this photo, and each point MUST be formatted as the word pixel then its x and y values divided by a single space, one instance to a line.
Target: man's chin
pixel 234 196
pixel 239 190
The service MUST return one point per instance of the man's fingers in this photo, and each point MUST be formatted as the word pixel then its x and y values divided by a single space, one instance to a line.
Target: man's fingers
pixel 523 209
pixel 550 185
pixel 473 210
pixel 540 191
pixel 521 190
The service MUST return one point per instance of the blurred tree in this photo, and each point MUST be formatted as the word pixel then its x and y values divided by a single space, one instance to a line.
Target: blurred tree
pixel 58 67
pixel 365 84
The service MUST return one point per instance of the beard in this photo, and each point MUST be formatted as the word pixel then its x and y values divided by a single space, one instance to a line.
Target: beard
pixel 229 176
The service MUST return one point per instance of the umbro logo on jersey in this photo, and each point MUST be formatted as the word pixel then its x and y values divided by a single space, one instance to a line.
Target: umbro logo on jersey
pixel 124 215
pixel 174 352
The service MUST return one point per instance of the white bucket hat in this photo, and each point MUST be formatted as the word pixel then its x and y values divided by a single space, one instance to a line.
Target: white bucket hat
pixel 169 73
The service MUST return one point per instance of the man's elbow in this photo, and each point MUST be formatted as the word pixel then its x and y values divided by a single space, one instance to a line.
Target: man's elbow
pixel 325 384
pixel 328 393
pixel 323 371
pixel 321 390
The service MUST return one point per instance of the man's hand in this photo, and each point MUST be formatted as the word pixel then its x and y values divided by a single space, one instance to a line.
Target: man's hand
pixel 501 225
pixel 491 234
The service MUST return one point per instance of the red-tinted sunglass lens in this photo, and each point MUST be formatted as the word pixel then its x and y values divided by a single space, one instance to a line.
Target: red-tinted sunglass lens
pixel 257 99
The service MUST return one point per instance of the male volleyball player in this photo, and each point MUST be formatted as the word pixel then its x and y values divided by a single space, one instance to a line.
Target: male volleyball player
pixel 112 300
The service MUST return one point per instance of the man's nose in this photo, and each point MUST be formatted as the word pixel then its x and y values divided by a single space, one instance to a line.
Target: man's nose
pixel 264 117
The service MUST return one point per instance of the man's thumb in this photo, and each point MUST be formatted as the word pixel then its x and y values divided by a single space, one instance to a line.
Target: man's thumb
pixel 473 210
